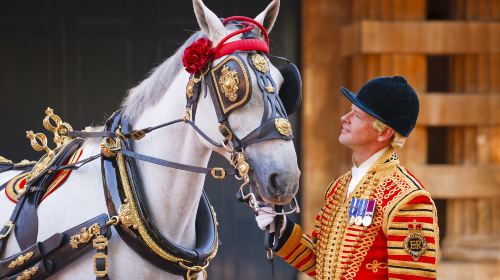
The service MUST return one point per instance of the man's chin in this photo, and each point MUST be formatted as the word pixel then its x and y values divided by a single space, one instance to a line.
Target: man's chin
pixel 342 139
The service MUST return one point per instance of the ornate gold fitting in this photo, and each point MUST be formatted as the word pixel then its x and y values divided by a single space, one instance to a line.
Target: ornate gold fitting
pixel 126 216
pixel 191 271
pixel 270 88
pixel 54 123
pixel 84 236
pixel 241 164
pixel 20 260
pixel 25 162
pixel 5 161
pixel 100 243
pixel 38 142
pixel 225 132
pixel 113 221
pixel 9 225
pixel 270 254
pixel 190 85
pixel 187 114
pixel 193 81
pixel 229 82
pixel 104 257
pixel 218 173
pixel 138 134
pixel 283 126
pixel 109 147
pixel 260 63
pixel 28 273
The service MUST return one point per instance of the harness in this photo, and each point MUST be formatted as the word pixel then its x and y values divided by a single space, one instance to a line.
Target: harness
pixel 230 88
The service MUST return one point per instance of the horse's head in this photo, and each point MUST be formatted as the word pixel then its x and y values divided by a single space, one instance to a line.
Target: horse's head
pixel 243 94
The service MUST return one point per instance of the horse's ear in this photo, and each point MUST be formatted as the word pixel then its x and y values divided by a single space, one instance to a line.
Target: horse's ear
pixel 209 23
pixel 269 15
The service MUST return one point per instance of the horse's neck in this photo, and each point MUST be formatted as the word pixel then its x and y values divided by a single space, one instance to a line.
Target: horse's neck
pixel 173 195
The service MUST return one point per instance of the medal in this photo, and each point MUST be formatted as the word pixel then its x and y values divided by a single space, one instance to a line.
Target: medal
pixel 358 220
pixel 370 209
pixel 361 212
pixel 353 206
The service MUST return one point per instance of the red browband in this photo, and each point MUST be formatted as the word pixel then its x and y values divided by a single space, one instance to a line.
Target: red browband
pixel 223 49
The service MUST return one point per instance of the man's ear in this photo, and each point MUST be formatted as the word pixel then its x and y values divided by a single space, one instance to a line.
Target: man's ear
pixel 386 134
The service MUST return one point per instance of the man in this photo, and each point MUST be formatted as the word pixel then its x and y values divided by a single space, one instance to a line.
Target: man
pixel 377 221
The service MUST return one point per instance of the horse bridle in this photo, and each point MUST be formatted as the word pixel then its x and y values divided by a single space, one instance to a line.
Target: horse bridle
pixel 230 88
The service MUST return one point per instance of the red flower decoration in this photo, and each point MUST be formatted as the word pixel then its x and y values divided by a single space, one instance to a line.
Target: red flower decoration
pixel 197 56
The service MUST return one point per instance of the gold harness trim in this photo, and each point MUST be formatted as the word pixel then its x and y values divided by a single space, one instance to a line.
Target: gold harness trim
pixel 133 219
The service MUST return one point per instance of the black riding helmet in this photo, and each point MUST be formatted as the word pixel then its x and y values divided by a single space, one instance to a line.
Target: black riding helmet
pixel 390 99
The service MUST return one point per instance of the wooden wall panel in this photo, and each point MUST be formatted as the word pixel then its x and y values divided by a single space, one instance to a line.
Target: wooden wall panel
pixel 423 37
pixel 447 109
pixel 322 105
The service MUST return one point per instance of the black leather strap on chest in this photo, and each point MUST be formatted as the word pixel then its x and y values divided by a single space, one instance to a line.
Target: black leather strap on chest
pixel 206 239
pixel 25 217
pixel 43 259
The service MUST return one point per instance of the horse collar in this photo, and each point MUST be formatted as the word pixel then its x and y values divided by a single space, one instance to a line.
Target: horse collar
pixel 126 201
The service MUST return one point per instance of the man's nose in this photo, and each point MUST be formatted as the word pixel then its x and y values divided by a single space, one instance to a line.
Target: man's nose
pixel 345 117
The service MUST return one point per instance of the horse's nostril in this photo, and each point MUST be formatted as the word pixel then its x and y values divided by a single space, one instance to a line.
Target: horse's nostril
pixel 273 180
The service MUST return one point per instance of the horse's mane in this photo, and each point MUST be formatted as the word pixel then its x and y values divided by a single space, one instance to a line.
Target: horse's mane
pixel 150 90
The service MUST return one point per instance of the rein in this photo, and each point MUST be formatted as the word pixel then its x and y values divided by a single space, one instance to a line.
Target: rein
pixel 109 148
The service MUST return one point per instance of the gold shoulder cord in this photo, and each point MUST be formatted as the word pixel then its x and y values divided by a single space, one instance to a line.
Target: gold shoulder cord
pixel 128 215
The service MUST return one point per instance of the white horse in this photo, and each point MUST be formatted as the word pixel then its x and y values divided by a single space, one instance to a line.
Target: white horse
pixel 173 195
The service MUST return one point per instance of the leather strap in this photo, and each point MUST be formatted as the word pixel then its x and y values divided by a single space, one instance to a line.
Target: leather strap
pixel 7 229
pixel 171 164
pixel 99 134
pixel 55 253
pixel 16 166
pixel 26 229
pixel 40 270
pixel 21 261
pixel 271 239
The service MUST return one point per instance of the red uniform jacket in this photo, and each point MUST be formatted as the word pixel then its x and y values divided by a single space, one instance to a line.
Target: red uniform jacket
pixel 402 241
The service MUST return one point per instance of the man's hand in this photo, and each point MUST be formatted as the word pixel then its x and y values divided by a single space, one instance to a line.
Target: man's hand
pixel 265 217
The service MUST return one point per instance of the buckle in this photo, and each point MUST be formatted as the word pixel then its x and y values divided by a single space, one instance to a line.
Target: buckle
pixel 224 130
pixel 100 242
pixel 109 147
pixel 9 225
pixel 218 173
pixel 138 134
pixel 97 271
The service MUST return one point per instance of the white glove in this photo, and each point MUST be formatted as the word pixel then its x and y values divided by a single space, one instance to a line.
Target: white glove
pixel 265 217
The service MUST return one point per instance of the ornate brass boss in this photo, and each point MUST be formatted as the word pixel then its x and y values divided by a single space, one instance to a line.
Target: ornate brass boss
pixel 283 126
pixel 260 63
pixel 229 82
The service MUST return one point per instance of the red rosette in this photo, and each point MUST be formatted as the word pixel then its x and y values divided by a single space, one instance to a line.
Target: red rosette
pixel 198 55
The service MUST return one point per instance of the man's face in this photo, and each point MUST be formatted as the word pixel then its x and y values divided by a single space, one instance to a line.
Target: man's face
pixel 357 129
